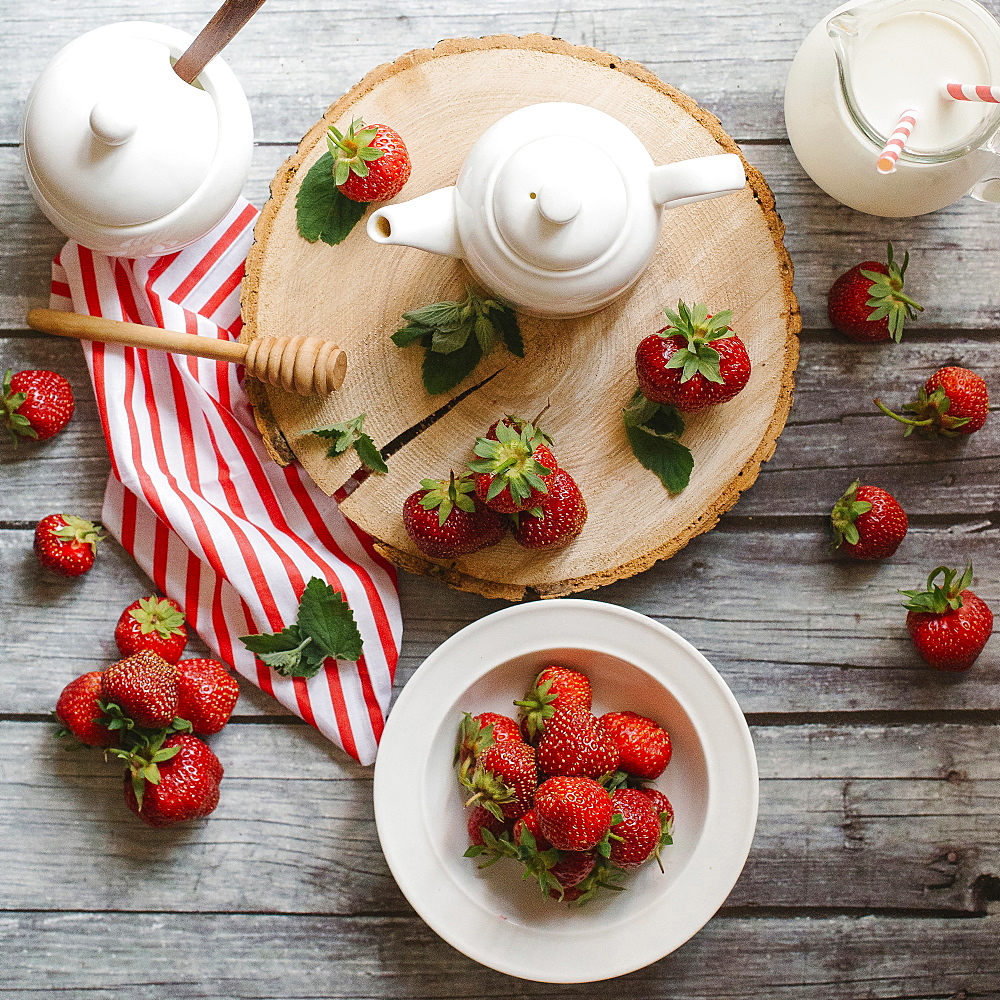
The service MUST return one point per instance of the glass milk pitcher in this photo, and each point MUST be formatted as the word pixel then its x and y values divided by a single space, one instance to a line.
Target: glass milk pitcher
pixel 861 68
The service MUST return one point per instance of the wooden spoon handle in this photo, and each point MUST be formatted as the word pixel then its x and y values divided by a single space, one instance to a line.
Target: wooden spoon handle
pixel 110 331
pixel 215 36
pixel 308 366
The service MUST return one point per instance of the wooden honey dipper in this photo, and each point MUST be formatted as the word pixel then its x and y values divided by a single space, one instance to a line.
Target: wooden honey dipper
pixel 308 366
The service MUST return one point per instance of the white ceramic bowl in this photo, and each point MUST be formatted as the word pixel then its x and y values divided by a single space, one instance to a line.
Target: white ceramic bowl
pixel 493 916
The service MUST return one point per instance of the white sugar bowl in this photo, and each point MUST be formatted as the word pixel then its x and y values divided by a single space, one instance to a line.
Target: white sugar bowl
pixel 122 155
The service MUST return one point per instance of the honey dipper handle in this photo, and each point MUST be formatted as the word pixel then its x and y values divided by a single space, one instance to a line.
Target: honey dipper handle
pixel 110 331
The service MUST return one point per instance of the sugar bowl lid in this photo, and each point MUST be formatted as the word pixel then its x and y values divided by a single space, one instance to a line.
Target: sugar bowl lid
pixel 111 134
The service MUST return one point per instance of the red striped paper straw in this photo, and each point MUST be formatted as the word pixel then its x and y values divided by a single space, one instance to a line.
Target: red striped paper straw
pixel 890 152
pixel 968 92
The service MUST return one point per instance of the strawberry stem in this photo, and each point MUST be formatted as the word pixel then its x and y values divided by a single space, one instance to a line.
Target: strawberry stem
pixel 903 420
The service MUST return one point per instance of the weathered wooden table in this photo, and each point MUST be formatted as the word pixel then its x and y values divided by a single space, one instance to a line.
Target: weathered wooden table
pixel 876 867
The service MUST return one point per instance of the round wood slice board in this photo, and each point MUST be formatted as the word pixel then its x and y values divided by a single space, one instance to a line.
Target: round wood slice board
pixel 727 252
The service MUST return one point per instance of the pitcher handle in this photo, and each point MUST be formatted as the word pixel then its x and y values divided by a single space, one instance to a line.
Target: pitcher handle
pixel 697 179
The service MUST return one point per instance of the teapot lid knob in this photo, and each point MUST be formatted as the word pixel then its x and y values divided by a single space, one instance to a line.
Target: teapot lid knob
pixel 560 202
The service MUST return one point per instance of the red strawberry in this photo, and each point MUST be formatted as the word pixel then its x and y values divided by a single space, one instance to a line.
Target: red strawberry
pixel 476 734
pixel 153 623
pixel 445 520
pixel 867 302
pixel 554 687
pixel 144 686
pixel 66 544
pixel 206 694
pixel 505 779
pixel 570 872
pixel 167 787
pixel 78 710
pixel 529 822
pixel 479 819
pixel 868 523
pixel 947 622
pixel 35 404
pixel 644 746
pixel 574 744
pixel 661 804
pixel 504 728
pixel 694 362
pixel 558 521
pixel 370 161
pixel 574 812
pixel 953 401
pixel 514 471
pixel 637 836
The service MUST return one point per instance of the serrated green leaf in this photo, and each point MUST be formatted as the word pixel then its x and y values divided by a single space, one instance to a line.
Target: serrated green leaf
pixel 410 334
pixel 505 320
pixel 444 316
pixel 322 211
pixel 671 461
pixel 325 616
pixel 485 334
pixel 449 341
pixel 371 457
pixel 442 372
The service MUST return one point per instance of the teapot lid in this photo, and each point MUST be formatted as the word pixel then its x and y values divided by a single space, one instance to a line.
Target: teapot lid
pixel 559 202
pixel 111 134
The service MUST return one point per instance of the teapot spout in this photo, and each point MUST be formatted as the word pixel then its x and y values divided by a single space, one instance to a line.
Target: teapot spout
pixel 426 223
pixel 697 180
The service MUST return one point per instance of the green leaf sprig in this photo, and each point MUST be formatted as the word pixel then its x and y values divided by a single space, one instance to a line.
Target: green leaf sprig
pixel 653 430
pixel 322 210
pixel 350 434
pixel 457 335
pixel 324 627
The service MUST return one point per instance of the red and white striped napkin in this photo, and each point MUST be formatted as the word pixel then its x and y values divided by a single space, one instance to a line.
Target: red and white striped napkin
pixel 193 496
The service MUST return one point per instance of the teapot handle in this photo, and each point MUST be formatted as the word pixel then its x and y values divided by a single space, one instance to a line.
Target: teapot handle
pixel 697 179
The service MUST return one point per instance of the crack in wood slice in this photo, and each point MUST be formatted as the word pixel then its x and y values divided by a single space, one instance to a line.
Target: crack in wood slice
pixel 728 252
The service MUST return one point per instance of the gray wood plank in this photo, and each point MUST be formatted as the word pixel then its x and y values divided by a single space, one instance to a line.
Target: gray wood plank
pixel 789 626
pixel 885 817
pixel 93 956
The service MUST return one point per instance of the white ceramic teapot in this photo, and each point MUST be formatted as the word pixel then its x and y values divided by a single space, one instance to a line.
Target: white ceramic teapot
pixel 556 208
pixel 125 157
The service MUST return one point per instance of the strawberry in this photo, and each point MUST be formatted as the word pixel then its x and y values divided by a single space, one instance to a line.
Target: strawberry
pixel 574 812
pixel 554 687
pixel 574 867
pixel 476 734
pixel 637 837
pixel 503 728
pixel 370 162
pixel 144 686
pixel 152 623
pixel 661 805
pixel 35 404
pixel 693 362
pixel 574 744
pixel 643 746
pixel 513 472
pixel 947 622
pixel 505 779
pixel 529 822
pixel 479 819
pixel 206 694
pixel 867 303
pixel 558 521
pixel 174 782
pixel 867 522
pixel 445 520
pixel 953 401
pixel 78 709
pixel 66 544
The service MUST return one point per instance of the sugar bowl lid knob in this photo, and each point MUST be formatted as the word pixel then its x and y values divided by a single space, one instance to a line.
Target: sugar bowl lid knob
pixel 113 122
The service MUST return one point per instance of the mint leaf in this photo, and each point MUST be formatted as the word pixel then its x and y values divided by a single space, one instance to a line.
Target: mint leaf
pixel 326 618
pixel 666 456
pixel 322 211
pixel 442 372
pixel 407 335
pixel 287 651
pixel 348 434
pixel 505 320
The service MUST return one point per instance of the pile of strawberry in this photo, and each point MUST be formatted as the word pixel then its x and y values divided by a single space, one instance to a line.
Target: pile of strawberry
pixel 563 792
pixel 514 484
pixel 149 710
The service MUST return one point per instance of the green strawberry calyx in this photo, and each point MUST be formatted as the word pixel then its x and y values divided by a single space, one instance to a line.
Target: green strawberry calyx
pixel 845 512
pixel 487 790
pixel 886 297
pixel 536 706
pixel 510 461
pixel 930 417
pixel 158 615
pixel 939 598
pixel 444 495
pixel 18 425
pixel 352 151
pixel 700 329
pixel 473 741
pixel 143 761
pixel 76 529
